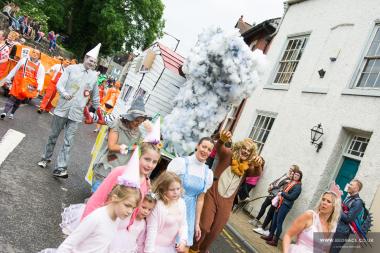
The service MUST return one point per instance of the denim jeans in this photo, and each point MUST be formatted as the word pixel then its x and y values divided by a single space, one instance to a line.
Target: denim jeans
pixel 278 220
pixel 70 128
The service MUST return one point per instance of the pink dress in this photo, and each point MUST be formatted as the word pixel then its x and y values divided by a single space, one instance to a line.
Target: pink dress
pixel 164 226
pixel 305 240
pixel 129 240
pixel 72 215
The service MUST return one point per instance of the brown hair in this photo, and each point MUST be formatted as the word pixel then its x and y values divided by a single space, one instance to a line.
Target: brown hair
pixel 298 171
pixel 205 139
pixel 122 192
pixel 162 183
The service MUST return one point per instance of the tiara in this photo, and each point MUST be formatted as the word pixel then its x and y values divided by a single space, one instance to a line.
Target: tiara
pixel 151 195
pixel 124 181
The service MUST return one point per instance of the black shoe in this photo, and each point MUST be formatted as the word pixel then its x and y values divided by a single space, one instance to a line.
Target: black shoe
pixel 62 173
pixel 2 116
pixel 40 111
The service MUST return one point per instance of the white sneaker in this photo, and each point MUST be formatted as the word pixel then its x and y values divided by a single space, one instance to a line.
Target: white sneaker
pixel 254 222
pixel 261 231
pixel 11 116
pixel 43 163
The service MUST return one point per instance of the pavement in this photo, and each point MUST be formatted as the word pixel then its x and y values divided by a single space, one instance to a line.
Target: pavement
pixel 31 199
pixel 238 222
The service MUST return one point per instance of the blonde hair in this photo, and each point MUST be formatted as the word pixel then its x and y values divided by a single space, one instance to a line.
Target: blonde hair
pixel 122 192
pixel 249 144
pixel 162 183
pixel 146 146
pixel 333 219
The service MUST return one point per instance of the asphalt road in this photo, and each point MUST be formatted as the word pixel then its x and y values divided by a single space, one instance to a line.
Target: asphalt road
pixel 31 199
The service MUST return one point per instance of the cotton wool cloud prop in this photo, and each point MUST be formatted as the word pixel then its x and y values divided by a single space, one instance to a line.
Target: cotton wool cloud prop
pixel 221 71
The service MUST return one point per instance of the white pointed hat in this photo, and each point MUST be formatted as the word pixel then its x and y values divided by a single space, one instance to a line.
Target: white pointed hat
pixel 154 135
pixel 95 51
pixel 131 174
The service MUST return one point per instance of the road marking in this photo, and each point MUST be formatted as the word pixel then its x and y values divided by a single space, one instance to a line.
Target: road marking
pixel 9 142
pixel 232 242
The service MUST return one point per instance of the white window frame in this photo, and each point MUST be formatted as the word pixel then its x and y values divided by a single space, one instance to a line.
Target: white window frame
pixel 351 88
pixel 140 91
pixel 263 127
pixel 231 116
pixel 127 92
pixel 354 139
pixel 304 40
pixel 365 58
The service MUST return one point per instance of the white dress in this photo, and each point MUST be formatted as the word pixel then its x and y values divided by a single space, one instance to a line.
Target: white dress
pixel 94 235
pixel 305 240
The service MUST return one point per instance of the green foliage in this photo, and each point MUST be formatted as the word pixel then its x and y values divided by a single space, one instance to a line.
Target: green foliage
pixel 35 11
pixel 120 25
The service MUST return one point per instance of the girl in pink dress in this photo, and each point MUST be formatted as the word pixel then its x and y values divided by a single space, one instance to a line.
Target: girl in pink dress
pixel 132 240
pixel 72 215
pixel 167 225
pixel 97 231
pixel 323 221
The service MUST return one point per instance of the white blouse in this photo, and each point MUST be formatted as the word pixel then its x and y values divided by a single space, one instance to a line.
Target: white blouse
pixel 196 168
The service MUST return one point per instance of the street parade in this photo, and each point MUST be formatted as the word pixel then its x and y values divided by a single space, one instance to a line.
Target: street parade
pixel 259 136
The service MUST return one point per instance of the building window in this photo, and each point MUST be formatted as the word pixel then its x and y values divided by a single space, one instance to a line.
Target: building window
pixel 357 146
pixel 140 92
pixel 127 92
pixel 261 130
pixel 370 67
pixel 230 119
pixel 289 59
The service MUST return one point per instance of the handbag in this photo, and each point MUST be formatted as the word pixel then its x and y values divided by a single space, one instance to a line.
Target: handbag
pixel 275 201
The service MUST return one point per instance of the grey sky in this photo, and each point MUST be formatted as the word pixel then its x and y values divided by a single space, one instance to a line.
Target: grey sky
pixel 185 19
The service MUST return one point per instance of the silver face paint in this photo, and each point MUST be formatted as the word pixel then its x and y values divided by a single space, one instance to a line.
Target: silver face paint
pixel 89 62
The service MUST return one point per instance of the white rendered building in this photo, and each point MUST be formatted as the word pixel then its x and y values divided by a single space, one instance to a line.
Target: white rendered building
pixel 324 69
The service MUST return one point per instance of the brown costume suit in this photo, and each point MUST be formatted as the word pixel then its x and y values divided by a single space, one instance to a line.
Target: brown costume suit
pixel 219 198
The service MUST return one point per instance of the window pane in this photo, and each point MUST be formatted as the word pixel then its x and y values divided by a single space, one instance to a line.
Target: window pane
pixel 369 66
pixel 289 60
pixel 369 74
pixel 261 130
pixel 363 80
pixel 371 80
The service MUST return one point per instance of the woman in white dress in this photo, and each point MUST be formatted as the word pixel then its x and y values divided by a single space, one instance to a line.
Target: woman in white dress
pixel 314 226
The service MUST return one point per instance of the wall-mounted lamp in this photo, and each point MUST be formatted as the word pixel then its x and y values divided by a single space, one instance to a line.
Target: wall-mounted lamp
pixel 321 73
pixel 316 134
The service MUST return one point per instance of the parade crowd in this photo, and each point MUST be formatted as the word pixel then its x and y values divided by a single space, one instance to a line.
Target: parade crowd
pixel 186 207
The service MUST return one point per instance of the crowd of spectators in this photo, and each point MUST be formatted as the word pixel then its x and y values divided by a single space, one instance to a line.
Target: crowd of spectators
pixel 27 27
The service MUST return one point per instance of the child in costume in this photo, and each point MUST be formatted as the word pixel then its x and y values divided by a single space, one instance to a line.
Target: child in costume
pixel 167 225
pixel 132 239
pixel 28 79
pixel 56 71
pixel 109 100
pixel 74 214
pixel 196 178
pixel 97 231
